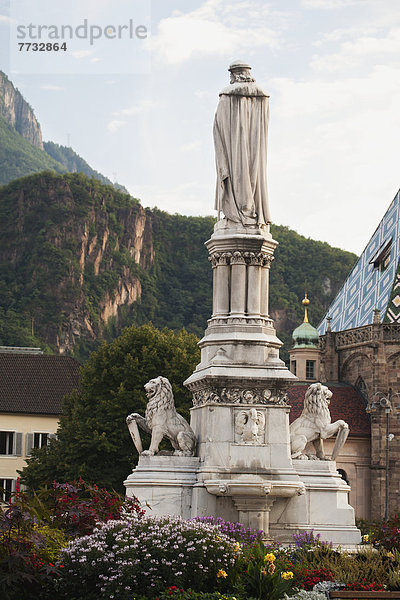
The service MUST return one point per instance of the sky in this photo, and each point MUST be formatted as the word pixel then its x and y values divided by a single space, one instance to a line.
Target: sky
pixel 138 104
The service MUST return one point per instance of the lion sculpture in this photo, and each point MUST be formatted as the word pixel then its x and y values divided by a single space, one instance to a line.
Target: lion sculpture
pixel 314 425
pixel 161 420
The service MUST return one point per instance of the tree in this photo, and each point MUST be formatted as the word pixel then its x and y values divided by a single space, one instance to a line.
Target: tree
pixel 93 439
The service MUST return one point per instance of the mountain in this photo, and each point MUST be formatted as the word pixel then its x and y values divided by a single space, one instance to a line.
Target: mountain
pixel 18 114
pixel 22 150
pixel 80 260
pixel 76 164
pixel 19 157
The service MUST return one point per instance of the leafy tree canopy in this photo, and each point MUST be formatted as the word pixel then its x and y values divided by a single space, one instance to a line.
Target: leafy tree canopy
pixel 93 439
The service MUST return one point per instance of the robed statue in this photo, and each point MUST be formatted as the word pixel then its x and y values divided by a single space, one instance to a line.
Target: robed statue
pixel 240 138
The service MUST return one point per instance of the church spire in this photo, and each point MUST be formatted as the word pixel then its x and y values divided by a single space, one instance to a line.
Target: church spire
pixel 305 303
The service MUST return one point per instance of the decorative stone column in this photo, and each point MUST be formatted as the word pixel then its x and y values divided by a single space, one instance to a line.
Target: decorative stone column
pixel 221 270
pixel 238 284
pixel 254 284
pixel 266 265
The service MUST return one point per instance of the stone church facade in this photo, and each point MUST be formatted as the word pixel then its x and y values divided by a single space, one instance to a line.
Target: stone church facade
pixel 368 358
pixel 359 346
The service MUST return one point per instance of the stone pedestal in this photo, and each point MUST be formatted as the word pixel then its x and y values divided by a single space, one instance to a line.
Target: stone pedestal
pixel 323 508
pixel 243 469
pixel 164 484
pixel 240 413
pixel 245 461
pixel 240 351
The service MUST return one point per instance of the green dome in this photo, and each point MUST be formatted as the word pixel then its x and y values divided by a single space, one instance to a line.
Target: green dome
pixel 305 336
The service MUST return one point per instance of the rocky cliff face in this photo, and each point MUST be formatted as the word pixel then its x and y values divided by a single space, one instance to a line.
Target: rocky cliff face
pixel 78 251
pixel 80 260
pixel 17 112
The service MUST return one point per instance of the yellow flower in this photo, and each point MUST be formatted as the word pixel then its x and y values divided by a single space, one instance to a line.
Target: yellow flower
pixel 287 575
pixel 390 555
pixel 222 573
pixel 365 538
pixel 269 558
pixel 236 547
pixel 263 573
pixel 271 568
pixel 218 538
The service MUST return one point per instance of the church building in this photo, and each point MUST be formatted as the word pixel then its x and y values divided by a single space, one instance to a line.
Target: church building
pixel 357 347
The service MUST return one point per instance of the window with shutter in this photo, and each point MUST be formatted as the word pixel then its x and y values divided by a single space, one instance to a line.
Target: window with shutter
pixel 7 441
pixel 28 443
pixel 7 487
pixel 18 444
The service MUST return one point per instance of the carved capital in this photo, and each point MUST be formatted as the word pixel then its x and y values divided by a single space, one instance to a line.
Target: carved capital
pixel 238 258
pixel 214 259
pixel 267 260
pixel 218 258
pixel 254 258
pixel 225 258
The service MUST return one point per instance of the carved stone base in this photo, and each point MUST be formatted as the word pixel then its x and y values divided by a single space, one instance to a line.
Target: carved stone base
pixel 324 507
pixel 254 513
pixel 164 484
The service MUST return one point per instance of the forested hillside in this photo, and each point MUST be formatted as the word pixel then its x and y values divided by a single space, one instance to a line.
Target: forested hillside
pixel 22 150
pixel 18 157
pixel 76 164
pixel 80 260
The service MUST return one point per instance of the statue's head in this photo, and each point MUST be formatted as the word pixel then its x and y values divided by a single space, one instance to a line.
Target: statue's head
pixel 158 387
pixel 240 71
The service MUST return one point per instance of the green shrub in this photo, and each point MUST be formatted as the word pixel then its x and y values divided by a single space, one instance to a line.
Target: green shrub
pixel 260 574
pixel 385 534
pixel 364 567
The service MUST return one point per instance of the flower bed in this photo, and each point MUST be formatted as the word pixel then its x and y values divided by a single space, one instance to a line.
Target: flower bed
pixel 74 541
pixel 123 558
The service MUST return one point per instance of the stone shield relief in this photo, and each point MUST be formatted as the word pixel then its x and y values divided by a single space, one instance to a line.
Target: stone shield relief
pixel 249 425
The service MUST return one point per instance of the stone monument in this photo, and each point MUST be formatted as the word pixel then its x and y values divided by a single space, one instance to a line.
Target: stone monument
pixel 243 468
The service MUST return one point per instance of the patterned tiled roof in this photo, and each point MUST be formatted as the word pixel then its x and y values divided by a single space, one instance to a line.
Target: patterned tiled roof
pixel 346 403
pixel 370 286
pixel 36 384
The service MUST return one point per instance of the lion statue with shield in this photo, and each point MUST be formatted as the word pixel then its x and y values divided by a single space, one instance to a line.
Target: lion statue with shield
pixel 161 420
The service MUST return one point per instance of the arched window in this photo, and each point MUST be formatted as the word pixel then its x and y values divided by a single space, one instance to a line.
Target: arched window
pixel 361 387
pixel 343 475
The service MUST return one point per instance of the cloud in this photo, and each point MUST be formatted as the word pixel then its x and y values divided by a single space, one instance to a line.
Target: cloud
pixel 204 94
pixel 328 4
pixel 52 88
pixel 143 106
pixel 114 125
pixel 186 198
pixel 321 98
pixel 217 27
pixel 384 48
pixel 191 146
pixel 80 53
pixel 333 141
